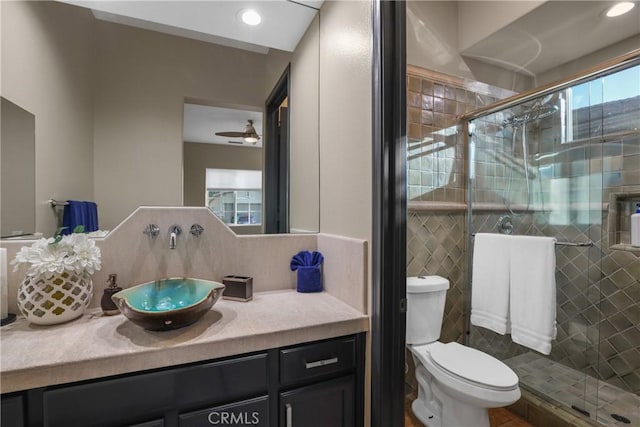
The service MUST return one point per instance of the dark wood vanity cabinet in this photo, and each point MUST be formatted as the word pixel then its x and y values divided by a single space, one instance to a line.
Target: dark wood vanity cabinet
pixel 313 384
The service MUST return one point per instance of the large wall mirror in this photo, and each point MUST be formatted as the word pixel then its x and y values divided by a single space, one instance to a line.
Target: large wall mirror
pixel 109 84
pixel 17 171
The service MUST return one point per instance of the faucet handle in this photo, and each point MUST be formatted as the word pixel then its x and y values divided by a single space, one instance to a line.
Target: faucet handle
pixel 505 226
pixel 152 230
pixel 196 230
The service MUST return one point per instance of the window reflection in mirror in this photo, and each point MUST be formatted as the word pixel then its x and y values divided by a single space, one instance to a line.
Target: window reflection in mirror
pixel 235 196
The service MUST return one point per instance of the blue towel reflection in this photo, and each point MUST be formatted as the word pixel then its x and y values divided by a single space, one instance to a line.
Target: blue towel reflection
pixel 80 213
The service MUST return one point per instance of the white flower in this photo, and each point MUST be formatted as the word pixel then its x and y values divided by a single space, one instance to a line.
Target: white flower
pixel 73 253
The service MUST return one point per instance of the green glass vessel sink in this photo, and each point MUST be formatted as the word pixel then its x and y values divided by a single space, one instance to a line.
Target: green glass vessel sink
pixel 167 304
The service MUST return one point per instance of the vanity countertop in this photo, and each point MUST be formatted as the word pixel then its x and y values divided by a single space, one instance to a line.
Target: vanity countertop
pixel 98 346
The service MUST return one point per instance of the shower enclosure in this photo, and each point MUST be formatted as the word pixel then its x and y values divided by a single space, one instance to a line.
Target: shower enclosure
pixel 565 162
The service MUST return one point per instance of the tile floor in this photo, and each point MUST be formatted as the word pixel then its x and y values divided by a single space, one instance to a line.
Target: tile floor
pixel 570 387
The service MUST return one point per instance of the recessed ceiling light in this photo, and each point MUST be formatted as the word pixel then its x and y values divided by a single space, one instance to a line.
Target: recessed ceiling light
pixel 250 17
pixel 620 8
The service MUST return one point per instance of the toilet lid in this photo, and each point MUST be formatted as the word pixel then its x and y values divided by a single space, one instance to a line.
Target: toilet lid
pixel 475 366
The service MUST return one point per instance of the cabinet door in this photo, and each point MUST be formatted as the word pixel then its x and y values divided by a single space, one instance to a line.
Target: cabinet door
pixel 329 403
pixel 11 413
pixel 253 412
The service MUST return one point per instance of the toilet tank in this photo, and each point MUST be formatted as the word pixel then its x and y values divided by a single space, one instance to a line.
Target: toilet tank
pixel 426 296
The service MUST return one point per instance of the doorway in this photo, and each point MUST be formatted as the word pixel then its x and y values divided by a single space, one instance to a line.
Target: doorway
pixel 276 161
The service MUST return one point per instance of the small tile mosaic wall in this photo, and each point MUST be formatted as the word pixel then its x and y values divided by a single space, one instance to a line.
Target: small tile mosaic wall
pixel 435 152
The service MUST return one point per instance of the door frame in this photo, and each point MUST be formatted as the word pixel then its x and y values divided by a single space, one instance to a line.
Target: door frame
pixel 388 264
pixel 276 160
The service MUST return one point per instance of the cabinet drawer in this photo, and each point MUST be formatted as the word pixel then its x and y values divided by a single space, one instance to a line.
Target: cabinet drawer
pixel 254 412
pixel 317 360
pixel 127 400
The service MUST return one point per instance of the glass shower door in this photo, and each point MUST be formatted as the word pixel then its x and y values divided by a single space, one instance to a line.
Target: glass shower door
pixel 573 175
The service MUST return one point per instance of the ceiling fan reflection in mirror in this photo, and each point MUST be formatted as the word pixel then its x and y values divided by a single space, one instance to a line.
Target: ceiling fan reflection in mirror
pixel 249 135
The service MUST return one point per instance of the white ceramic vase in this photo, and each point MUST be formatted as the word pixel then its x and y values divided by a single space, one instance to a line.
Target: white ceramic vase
pixel 58 299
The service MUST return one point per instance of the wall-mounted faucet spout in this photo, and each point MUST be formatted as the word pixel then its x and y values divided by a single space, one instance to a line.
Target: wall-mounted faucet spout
pixel 174 231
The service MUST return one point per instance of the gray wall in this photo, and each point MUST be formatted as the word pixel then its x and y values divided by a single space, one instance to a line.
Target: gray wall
pixel 345 119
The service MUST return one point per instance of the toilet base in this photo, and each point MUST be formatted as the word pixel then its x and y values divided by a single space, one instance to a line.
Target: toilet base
pixel 426 416
pixel 455 413
pixel 435 407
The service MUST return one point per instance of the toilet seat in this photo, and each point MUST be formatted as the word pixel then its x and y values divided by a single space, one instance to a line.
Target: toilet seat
pixel 474 366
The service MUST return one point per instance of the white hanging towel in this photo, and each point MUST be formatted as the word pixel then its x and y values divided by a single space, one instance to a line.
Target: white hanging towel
pixel 490 282
pixel 533 292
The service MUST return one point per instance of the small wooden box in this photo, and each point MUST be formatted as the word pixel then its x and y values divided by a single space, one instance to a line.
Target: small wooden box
pixel 238 288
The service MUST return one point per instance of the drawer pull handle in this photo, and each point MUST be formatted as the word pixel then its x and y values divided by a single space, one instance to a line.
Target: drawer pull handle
pixel 323 362
pixel 288 415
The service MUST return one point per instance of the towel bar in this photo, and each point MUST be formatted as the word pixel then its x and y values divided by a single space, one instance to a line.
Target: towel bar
pixel 55 203
pixel 588 243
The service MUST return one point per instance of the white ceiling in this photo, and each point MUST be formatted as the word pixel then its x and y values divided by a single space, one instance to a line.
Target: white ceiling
pixel 283 22
pixel 201 122
pixel 554 33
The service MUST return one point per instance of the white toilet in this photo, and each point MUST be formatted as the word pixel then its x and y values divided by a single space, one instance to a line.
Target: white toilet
pixel 456 384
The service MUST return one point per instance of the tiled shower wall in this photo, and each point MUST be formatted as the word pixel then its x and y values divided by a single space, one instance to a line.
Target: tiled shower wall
pixel 436 239
pixel 598 288
pixel 436 246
